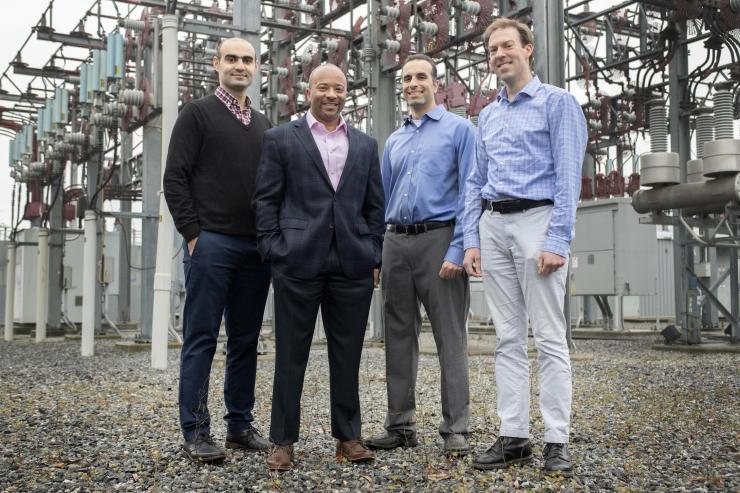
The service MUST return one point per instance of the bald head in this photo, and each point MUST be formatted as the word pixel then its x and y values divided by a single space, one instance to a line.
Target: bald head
pixel 326 70
pixel 327 91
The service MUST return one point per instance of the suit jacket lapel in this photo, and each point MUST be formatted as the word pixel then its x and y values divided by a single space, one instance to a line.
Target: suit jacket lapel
pixel 353 152
pixel 306 138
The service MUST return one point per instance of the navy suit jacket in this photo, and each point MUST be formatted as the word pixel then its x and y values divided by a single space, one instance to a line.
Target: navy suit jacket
pixel 299 213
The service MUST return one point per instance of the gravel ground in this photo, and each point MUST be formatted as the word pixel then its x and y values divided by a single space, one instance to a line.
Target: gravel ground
pixel 642 421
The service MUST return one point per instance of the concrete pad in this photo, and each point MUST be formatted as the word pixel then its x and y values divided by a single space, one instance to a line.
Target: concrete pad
pixel 708 347
pixel 134 346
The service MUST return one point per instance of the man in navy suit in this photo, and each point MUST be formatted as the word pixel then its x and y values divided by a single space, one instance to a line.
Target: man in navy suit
pixel 320 212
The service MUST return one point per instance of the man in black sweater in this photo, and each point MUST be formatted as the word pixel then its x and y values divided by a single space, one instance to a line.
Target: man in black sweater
pixel 208 183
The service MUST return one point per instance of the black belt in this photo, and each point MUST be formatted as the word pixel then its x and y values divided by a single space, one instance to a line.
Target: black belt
pixel 415 229
pixel 513 205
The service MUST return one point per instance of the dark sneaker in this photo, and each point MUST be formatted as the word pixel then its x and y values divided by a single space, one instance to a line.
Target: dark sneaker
pixel 557 459
pixel 249 439
pixel 391 440
pixel 506 452
pixel 203 449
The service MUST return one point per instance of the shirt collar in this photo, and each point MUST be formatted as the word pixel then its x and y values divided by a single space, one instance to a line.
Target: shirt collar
pixel 530 89
pixel 231 100
pixel 311 120
pixel 436 114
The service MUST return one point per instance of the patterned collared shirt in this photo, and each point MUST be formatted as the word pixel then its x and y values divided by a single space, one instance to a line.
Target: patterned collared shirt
pixel 531 147
pixel 243 115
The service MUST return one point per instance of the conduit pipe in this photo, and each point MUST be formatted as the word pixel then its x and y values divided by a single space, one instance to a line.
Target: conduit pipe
pixel 42 284
pixel 10 293
pixel 713 193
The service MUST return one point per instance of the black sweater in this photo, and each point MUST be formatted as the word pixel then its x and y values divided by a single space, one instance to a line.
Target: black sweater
pixel 211 169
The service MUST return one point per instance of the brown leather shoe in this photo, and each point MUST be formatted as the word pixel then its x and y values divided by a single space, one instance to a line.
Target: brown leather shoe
pixel 280 458
pixel 354 451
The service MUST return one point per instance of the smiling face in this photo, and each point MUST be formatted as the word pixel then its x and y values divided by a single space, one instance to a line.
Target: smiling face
pixel 327 92
pixel 508 58
pixel 235 64
pixel 419 86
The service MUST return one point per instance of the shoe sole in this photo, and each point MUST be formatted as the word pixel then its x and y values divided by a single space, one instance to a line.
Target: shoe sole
pixel 234 445
pixel 343 458
pixel 407 444
pixel 204 460
pixel 279 468
pixel 506 465
pixel 565 474
pixel 459 452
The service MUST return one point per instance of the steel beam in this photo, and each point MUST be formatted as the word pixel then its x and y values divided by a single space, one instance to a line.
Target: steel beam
pixel 70 39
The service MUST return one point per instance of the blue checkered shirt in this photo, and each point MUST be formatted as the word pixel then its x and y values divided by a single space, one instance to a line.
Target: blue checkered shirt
pixel 529 148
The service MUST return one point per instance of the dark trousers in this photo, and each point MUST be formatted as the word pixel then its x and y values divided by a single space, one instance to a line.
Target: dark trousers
pixel 345 304
pixel 224 278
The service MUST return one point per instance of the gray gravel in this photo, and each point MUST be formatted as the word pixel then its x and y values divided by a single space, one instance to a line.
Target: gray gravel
pixel 642 421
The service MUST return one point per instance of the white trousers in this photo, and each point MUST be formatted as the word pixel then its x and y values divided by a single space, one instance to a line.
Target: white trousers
pixel 517 294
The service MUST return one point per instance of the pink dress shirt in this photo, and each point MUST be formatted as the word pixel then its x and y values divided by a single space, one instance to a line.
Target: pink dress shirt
pixel 333 146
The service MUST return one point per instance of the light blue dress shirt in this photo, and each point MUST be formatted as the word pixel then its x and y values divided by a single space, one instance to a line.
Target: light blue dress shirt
pixel 529 148
pixel 424 170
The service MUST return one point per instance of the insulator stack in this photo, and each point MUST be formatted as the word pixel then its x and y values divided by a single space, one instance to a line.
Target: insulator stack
pixel 429 28
pixel 658 127
pixel 704 129
pixel 132 97
pixel 368 53
pixel 471 8
pixel 133 24
pixel 723 111
pixel 76 138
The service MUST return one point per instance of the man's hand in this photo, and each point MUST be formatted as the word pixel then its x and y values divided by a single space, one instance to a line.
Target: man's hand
pixel 549 263
pixel 376 277
pixel 450 270
pixel 472 262
pixel 191 245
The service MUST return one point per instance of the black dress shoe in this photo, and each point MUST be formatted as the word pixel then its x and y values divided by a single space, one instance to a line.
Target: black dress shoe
pixel 248 439
pixel 202 449
pixel 391 440
pixel 557 459
pixel 506 452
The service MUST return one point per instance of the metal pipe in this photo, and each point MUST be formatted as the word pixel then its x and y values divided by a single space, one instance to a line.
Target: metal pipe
pixel 88 284
pixel 10 293
pixel 42 283
pixel 166 230
pixel 688 195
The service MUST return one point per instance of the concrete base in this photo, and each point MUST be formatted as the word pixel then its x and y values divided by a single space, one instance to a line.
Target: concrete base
pixel 77 337
pixel 707 347
pixel 50 332
pixel 611 334
pixel 135 347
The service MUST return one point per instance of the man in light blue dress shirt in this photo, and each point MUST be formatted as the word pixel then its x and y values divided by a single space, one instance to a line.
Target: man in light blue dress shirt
pixel 520 210
pixel 425 164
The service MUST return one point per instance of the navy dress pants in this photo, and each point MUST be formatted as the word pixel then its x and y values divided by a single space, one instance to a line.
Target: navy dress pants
pixel 225 278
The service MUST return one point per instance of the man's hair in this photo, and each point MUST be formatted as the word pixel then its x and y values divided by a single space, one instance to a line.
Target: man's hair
pixel 525 33
pixel 426 58
pixel 221 42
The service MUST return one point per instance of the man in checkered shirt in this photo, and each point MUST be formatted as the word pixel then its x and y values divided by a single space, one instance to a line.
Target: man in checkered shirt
pixel 520 210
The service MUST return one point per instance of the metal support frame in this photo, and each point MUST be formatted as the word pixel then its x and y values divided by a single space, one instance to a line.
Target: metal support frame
pixel 683 254
pixel 125 235
pixel 56 266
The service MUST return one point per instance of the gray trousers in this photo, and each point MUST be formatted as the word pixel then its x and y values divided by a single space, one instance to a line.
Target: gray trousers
pixel 411 265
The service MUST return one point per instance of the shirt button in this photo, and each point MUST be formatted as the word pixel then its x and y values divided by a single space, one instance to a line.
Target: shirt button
pixel 412 151
pixel 405 195
pixel 408 173
pixel 417 131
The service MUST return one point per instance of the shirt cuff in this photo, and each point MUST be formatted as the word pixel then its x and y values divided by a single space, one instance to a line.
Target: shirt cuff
pixel 471 241
pixel 556 246
pixel 190 231
pixel 454 255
